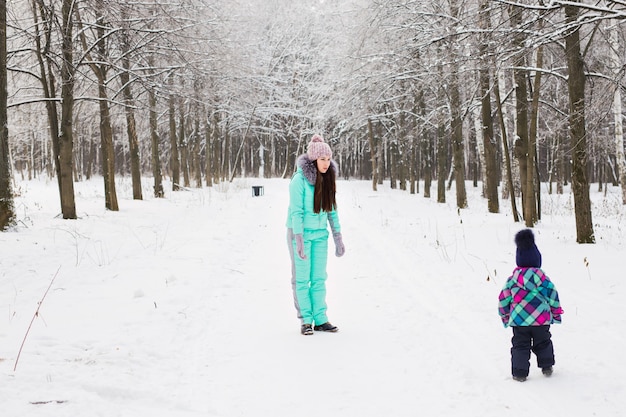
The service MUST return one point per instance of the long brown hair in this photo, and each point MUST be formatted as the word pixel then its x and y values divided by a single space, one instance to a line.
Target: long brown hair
pixel 324 197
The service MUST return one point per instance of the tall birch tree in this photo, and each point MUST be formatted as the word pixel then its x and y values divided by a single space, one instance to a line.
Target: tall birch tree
pixel 617 107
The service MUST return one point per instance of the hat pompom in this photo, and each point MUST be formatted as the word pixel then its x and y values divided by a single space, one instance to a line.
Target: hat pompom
pixel 527 254
pixel 318 148
pixel 525 239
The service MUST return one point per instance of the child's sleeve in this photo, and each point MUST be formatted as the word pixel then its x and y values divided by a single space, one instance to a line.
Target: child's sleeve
pixel 551 295
pixel 504 305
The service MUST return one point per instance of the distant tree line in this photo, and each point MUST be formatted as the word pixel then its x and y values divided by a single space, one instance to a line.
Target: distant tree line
pixel 504 94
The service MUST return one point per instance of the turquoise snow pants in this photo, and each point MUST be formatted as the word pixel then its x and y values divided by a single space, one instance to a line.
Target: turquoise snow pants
pixel 308 276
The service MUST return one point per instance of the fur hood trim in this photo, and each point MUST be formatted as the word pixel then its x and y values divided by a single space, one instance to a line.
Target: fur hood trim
pixel 309 170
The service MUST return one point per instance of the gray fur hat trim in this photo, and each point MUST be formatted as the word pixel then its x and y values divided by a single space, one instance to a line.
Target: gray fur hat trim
pixel 309 169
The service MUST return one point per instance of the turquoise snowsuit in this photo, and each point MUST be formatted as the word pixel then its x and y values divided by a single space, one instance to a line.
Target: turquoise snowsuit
pixel 308 276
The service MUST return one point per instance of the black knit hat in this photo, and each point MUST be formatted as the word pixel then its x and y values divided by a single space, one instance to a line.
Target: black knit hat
pixel 527 254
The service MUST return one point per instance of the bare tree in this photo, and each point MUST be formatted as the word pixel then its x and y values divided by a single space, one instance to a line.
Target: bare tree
pixel 531 215
pixel 66 136
pixel 576 86
pixel 505 145
pixel 129 106
pixel 47 56
pixel 456 115
pixel 44 18
pixel 521 109
pixel 489 141
pixel 98 62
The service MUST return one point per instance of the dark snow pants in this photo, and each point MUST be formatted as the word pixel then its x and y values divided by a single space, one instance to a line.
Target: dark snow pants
pixel 531 338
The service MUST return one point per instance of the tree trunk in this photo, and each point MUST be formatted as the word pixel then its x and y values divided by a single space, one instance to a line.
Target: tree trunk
pixel 489 141
pixel 233 171
pixel 174 156
pixel 372 142
pixel 133 143
pixel 617 109
pixel 217 147
pixel 99 68
pixel 225 154
pixel 47 79
pixel 521 104
pixel 560 163
pixel 7 205
pixel 197 165
pixel 426 150
pixel 159 192
pixel 456 120
pixel 183 143
pixel 576 87
pixel 66 137
pixel 131 126
pixel 90 154
pixel 507 154
pixel 442 158
pixel 381 152
pixel 208 151
pixel 477 151
pixel 413 165
pixel 458 150
pixel 442 144
pixel 106 139
pixel 393 164
pixel 531 210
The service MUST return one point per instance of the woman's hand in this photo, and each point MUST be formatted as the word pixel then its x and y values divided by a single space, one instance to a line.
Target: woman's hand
pixel 300 246
pixel 340 249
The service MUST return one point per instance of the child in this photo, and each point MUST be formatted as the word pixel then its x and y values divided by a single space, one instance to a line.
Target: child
pixel 529 303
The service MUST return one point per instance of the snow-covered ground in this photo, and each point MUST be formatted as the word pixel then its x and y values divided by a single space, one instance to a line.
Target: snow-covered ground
pixel 182 307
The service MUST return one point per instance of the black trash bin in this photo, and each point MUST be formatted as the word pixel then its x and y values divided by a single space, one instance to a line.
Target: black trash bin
pixel 257 190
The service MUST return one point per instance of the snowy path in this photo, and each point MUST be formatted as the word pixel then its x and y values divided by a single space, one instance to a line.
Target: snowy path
pixel 183 307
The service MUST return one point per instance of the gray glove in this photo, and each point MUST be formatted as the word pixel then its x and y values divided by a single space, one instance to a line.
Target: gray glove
pixel 300 246
pixel 340 249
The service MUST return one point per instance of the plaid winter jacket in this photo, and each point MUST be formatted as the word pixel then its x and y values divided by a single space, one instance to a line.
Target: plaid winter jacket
pixel 529 298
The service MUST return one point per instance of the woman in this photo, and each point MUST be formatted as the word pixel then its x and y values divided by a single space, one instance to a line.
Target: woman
pixel 312 207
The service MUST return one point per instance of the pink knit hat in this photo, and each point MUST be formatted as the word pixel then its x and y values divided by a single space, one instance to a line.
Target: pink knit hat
pixel 318 148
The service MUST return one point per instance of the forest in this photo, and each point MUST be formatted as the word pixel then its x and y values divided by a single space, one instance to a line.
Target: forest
pixel 510 96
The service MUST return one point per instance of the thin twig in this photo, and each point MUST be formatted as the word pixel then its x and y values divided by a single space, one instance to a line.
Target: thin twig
pixel 587 266
pixel 33 319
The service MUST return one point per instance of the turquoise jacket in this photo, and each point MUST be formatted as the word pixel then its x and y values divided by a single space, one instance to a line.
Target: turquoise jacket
pixel 301 218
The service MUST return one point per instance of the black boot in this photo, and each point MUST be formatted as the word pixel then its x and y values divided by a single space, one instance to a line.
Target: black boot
pixel 306 329
pixel 326 327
